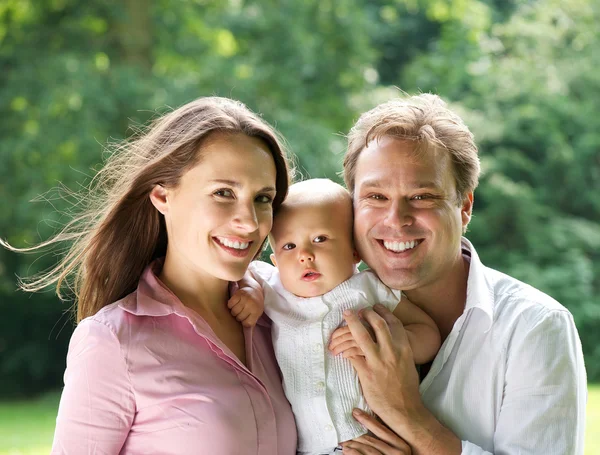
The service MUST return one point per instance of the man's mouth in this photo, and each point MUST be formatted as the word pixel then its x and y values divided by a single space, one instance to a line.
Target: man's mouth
pixel 398 247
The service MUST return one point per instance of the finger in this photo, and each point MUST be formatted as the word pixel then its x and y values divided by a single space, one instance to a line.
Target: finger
pixel 360 334
pixel 380 328
pixel 341 340
pixel 359 363
pixel 395 325
pixel 392 320
pixel 342 346
pixel 250 321
pixel 237 309
pixel 234 300
pixel 243 314
pixel 378 444
pixel 380 430
pixel 353 352
pixel 340 332
pixel 358 448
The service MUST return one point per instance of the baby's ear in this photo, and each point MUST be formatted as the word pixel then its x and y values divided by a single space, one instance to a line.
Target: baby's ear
pixel 272 257
pixel 356 256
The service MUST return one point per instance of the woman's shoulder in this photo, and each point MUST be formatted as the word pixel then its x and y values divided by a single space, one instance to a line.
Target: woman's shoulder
pixel 112 317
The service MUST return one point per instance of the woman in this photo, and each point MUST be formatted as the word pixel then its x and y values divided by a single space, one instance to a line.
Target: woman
pixel 157 364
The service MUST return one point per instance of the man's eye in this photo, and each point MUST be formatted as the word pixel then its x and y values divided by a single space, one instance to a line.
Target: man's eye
pixel 264 199
pixel 224 193
pixel 422 197
pixel 377 197
pixel 320 239
pixel 289 246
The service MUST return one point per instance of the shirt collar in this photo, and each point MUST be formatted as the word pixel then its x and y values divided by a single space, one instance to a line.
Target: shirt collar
pixel 153 298
pixel 480 294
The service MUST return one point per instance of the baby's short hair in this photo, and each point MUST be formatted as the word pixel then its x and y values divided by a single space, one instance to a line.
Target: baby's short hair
pixel 313 192
pixel 316 191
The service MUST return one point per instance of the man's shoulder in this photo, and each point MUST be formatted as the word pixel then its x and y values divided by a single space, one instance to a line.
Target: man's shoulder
pixel 515 298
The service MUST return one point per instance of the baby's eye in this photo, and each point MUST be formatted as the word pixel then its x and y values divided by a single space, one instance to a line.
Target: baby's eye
pixel 224 193
pixel 289 246
pixel 319 239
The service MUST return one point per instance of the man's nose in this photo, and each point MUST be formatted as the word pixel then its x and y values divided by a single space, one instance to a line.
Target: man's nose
pixel 400 213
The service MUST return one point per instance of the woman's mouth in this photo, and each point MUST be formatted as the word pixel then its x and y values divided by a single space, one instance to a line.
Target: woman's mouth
pixel 235 247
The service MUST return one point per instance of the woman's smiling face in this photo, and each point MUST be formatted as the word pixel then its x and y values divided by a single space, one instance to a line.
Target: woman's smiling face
pixel 221 211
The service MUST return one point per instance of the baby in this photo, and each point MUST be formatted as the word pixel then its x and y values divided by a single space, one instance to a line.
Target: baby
pixel 314 280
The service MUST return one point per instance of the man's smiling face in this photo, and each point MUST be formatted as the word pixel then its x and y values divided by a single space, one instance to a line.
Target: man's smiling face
pixel 408 220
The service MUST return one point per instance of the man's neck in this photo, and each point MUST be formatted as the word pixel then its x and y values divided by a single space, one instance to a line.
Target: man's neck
pixel 444 299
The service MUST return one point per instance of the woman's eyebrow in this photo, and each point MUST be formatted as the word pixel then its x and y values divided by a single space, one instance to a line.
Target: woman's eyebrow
pixel 233 183
pixel 236 184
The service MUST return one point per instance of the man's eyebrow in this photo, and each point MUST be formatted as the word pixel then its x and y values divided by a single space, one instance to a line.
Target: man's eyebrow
pixel 376 183
pixel 372 183
pixel 236 184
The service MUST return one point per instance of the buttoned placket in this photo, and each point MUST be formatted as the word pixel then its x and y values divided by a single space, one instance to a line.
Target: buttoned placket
pixel 318 367
pixel 261 404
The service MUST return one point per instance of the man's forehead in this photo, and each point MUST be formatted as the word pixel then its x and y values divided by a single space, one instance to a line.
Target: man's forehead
pixel 391 159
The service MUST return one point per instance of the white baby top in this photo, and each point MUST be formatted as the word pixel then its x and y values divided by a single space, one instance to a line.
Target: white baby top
pixel 322 388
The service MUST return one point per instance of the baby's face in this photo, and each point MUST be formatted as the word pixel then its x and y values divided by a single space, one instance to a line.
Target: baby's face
pixel 313 247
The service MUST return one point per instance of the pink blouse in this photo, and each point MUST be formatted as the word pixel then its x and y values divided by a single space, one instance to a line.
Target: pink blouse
pixel 146 375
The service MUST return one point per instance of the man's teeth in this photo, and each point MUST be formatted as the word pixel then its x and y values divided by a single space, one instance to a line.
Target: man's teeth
pixel 398 247
pixel 234 244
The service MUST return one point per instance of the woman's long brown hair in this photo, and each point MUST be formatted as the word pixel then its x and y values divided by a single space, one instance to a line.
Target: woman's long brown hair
pixel 117 231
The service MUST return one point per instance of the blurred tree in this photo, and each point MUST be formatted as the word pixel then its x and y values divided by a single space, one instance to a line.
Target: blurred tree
pixel 522 72
pixel 527 89
pixel 73 75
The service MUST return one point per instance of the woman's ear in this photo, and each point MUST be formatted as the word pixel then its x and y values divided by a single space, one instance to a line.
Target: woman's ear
pixel 159 199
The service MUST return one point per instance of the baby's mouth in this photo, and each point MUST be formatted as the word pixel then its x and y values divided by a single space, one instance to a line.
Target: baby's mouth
pixel 310 275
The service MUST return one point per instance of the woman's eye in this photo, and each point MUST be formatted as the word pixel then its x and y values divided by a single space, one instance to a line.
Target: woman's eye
pixel 289 246
pixel 319 239
pixel 223 193
pixel 264 199
pixel 378 197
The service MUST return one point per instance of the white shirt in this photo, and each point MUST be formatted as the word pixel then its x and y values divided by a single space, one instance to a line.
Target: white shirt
pixel 322 388
pixel 510 378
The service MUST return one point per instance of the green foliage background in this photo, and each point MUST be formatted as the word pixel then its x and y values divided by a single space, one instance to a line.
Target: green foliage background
pixel 523 73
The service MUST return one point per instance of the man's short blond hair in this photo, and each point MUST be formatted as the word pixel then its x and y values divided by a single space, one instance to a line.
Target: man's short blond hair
pixel 426 121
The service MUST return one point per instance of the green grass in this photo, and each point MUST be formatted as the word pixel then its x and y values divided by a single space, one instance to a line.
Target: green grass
pixel 592 422
pixel 26 427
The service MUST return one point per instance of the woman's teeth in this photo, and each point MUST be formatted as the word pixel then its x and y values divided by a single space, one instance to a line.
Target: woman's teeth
pixel 234 244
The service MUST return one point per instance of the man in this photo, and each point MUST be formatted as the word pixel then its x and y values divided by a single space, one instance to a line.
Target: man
pixel 509 377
